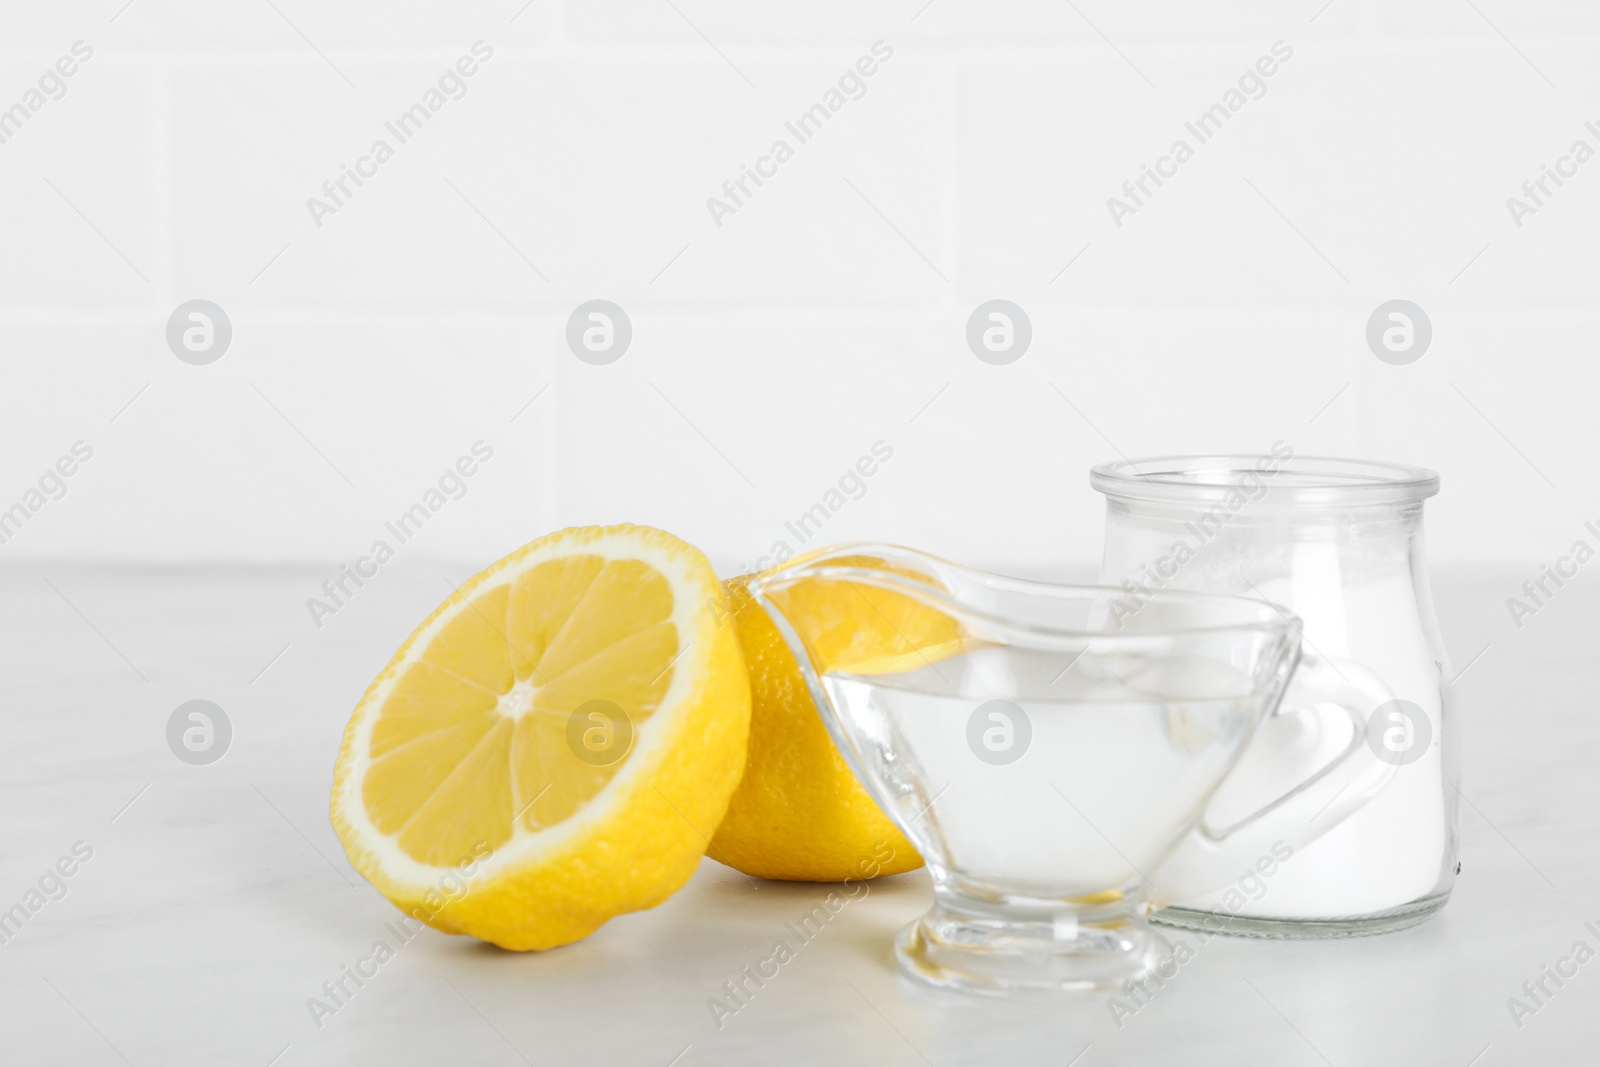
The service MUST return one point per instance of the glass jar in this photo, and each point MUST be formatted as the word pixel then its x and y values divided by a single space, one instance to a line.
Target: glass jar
pixel 1339 544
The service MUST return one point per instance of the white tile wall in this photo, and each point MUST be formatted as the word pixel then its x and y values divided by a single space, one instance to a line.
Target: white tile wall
pixel 770 352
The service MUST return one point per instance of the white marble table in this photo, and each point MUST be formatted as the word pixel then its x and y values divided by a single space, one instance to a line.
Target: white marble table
pixel 217 899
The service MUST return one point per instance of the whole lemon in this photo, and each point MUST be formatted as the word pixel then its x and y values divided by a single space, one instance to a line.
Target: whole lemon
pixel 798 813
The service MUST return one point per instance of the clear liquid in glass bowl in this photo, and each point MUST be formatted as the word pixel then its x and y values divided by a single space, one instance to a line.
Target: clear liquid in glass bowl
pixel 1075 789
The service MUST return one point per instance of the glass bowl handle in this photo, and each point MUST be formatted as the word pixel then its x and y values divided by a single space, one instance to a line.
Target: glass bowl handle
pixel 1208 858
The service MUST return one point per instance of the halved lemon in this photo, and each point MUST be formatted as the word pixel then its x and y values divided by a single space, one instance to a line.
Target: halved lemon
pixel 554 745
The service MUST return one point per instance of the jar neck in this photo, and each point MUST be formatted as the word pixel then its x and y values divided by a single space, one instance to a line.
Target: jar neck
pixel 1207 546
pixel 1209 512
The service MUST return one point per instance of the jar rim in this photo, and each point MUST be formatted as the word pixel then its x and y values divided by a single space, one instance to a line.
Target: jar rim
pixel 1288 478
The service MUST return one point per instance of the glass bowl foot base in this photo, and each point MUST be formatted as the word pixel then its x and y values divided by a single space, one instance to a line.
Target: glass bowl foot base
pixel 1046 955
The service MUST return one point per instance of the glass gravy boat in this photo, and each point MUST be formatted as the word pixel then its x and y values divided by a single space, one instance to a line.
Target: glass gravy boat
pixel 1051 755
